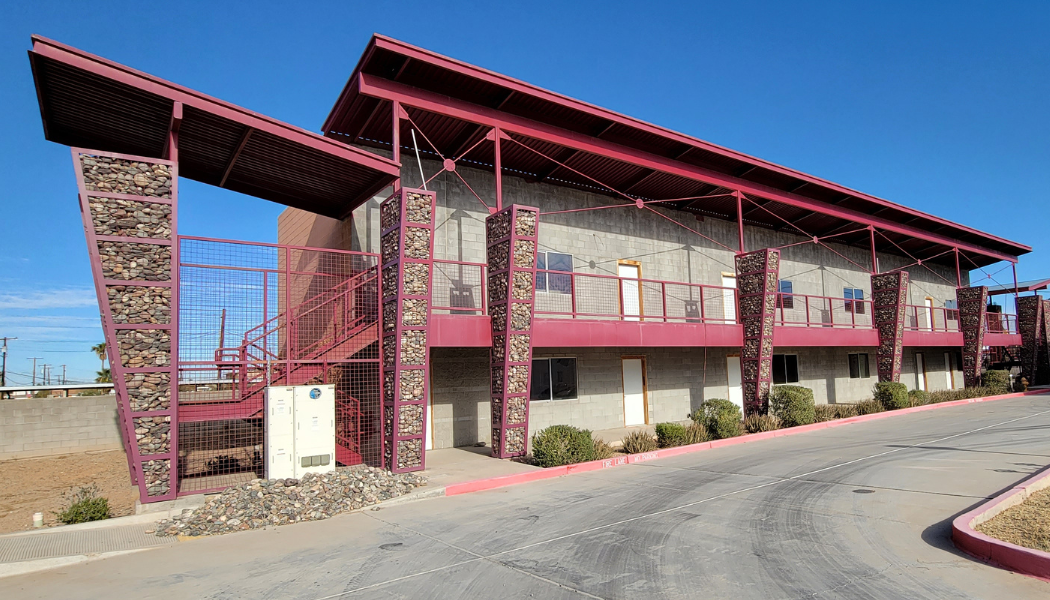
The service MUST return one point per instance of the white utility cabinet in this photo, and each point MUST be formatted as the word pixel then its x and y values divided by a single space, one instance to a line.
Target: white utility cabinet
pixel 280 432
pixel 314 429
pixel 300 430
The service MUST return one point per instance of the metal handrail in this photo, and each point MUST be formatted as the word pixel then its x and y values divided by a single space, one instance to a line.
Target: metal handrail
pixel 852 313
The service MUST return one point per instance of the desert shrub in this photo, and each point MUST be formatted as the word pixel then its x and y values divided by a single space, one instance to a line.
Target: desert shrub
pixel 84 505
pixel 792 404
pixel 562 445
pixel 760 423
pixel 670 434
pixel 830 412
pixel 868 407
pixel 721 417
pixel 963 394
pixel 602 450
pixel 891 395
pixel 638 441
pixel 918 398
pixel 998 381
pixel 696 433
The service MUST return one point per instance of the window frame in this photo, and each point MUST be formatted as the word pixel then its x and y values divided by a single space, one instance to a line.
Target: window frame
pixel 850 294
pixel 550 378
pixel 787 380
pixel 543 276
pixel 785 299
pixel 864 373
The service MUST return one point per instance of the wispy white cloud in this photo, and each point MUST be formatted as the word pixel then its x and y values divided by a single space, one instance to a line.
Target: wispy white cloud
pixel 46 299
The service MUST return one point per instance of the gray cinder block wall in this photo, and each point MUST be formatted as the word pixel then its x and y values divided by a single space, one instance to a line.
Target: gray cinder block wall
pixel 32 427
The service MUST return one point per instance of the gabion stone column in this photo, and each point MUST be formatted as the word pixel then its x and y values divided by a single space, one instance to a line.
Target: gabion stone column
pixel 1042 367
pixel 128 204
pixel 973 308
pixel 511 244
pixel 756 283
pixel 889 293
pixel 1030 326
pixel 407 245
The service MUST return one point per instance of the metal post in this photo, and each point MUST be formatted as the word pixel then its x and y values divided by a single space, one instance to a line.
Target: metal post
pixel 396 143
pixel 874 256
pixel 499 170
pixel 740 220
pixel 34 359
pixel 3 369
pixel 1016 292
pixel 958 270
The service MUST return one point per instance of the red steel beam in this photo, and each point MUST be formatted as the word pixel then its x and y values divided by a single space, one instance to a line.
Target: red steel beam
pixel 378 87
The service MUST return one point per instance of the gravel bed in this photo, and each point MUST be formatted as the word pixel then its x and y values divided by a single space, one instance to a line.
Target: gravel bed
pixel 269 502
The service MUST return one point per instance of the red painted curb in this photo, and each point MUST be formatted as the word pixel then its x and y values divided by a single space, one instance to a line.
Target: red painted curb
pixel 1025 561
pixel 505 480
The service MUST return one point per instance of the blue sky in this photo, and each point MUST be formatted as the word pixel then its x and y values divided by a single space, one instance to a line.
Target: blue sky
pixel 938 106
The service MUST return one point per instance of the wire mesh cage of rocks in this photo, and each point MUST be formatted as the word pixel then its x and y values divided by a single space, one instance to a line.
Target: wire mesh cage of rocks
pixel 135 261
pixel 130 218
pixel 124 176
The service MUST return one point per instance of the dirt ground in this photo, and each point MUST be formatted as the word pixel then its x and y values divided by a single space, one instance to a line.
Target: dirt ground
pixel 40 485
pixel 1027 524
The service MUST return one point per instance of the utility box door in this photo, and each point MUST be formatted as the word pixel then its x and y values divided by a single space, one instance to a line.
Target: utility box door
pixel 280 432
pixel 314 429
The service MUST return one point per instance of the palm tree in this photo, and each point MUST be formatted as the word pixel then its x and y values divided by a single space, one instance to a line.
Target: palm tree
pixel 103 376
pixel 100 352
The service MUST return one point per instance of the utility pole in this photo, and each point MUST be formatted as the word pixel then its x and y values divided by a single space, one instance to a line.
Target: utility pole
pixel 63 374
pixel 44 379
pixel 3 369
pixel 34 359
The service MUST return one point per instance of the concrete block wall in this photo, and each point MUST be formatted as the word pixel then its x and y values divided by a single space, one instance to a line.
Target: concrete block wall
pixel 598 239
pixel 32 427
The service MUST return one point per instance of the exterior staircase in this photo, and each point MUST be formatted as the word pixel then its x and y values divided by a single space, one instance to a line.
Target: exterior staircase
pixel 310 344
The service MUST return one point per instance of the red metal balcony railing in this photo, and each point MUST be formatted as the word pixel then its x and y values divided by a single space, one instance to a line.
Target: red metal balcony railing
pixel 931 318
pixel 607 297
pixel 1000 323
pixel 459 288
pixel 803 310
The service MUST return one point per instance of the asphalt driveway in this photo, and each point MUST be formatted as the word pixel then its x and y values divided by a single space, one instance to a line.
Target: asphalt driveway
pixel 862 511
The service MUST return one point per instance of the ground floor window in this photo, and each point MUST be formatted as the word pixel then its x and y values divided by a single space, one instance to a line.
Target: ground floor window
pixel 858 366
pixel 553 379
pixel 785 368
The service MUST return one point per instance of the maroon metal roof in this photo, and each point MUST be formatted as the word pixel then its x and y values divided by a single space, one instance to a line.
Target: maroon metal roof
pixel 87 101
pixel 359 118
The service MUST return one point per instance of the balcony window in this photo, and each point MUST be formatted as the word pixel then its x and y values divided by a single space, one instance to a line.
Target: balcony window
pixel 553 379
pixel 785 368
pixel 784 298
pixel 854 294
pixel 858 366
pixel 552 282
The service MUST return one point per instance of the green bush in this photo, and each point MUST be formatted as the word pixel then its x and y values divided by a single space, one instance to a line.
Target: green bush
pixel 891 395
pixel 963 394
pixel 696 434
pixel 638 441
pixel 760 423
pixel 602 450
pixel 792 404
pixel 562 445
pixel 918 398
pixel 721 417
pixel 869 406
pixel 998 381
pixel 84 505
pixel 670 434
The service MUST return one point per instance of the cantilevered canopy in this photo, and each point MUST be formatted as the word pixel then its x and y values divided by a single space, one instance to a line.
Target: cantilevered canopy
pixel 1023 286
pixel 87 101
pixel 567 142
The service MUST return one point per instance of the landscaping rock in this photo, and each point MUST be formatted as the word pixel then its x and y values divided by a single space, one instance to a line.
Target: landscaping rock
pixel 263 502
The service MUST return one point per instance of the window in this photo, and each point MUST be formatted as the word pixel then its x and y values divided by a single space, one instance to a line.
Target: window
pixel 784 298
pixel 553 379
pixel 854 294
pixel 554 261
pixel 858 366
pixel 951 304
pixel 785 368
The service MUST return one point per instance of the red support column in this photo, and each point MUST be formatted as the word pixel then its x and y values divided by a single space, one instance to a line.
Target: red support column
pixel 407 245
pixel 740 220
pixel 512 241
pixel 496 135
pixel 1042 366
pixel 958 270
pixel 756 276
pixel 973 308
pixel 395 109
pixel 889 301
pixel 133 262
pixel 874 255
